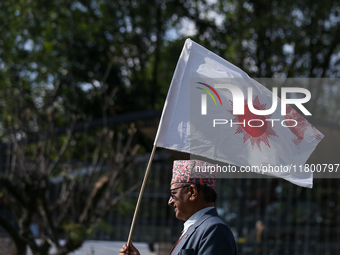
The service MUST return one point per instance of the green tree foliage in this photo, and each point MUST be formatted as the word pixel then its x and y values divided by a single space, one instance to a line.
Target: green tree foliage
pixel 66 183
pixel 131 44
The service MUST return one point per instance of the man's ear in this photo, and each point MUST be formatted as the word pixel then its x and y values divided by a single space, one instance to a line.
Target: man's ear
pixel 194 192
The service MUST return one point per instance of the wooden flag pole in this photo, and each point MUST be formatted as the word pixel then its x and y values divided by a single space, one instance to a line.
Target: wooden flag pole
pixel 141 194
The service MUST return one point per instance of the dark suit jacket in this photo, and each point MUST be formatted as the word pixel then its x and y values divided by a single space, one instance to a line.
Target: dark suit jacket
pixel 208 236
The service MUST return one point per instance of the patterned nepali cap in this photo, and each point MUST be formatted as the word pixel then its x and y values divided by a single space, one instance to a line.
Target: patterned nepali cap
pixel 193 171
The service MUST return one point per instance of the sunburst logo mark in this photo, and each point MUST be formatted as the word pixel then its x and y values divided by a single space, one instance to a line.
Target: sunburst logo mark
pixel 204 97
pixel 259 131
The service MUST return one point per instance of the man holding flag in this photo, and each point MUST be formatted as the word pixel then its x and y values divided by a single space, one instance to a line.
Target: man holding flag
pixel 193 197
pixel 215 110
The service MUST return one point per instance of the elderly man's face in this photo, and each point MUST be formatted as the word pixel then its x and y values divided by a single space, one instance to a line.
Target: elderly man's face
pixel 179 199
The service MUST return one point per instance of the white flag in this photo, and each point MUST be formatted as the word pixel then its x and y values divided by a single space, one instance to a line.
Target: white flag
pixel 199 118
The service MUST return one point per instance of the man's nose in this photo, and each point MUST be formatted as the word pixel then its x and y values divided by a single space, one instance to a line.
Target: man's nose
pixel 171 201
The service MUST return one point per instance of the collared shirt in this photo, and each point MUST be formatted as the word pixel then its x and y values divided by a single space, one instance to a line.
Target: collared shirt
pixel 191 221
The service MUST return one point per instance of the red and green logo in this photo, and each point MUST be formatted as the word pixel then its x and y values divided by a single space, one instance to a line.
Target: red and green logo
pixel 209 93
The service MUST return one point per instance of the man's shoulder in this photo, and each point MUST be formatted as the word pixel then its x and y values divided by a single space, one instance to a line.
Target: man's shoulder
pixel 214 219
pixel 211 220
pixel 212 216
pixel 213 236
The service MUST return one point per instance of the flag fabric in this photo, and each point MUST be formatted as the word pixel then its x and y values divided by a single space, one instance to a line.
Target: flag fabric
pixel 198 118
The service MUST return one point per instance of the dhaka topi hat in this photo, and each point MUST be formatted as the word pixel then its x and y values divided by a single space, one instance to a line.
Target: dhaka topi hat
pixel 195 172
